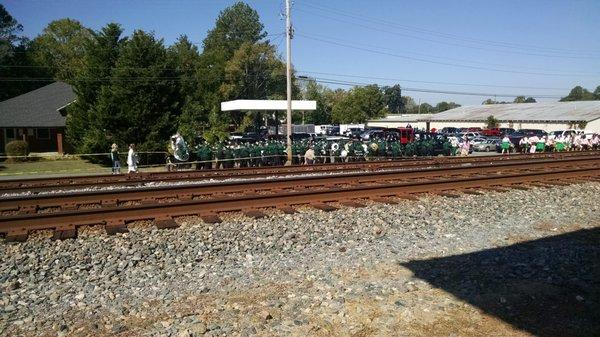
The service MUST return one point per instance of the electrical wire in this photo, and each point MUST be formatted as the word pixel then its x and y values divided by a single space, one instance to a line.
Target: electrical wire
pixel 502 44
pixel 430 82
pixel 435 57
pixel 436 91
pixel 329 41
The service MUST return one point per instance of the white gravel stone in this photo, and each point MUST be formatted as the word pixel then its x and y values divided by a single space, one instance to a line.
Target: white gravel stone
pixel 281 275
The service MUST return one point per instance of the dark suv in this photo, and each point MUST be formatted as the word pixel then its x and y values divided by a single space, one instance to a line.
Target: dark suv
pixel 533 132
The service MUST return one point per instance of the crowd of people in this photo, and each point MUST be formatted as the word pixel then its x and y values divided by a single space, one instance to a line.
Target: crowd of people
pixel 232 153
pixel 572 142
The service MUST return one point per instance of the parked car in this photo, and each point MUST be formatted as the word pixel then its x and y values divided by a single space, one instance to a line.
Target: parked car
pixel 533 132
pixel 491 132
pixel 506 131
pixel 470 135
pixel 486 145
pixel 449 130
pixel 352 132
pixel 564 133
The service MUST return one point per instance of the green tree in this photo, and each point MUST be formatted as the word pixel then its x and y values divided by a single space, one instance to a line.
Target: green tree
pixel 184 58
pixel 491 101
pixel 141 104
pixel 597 93
pixel 316 92
pixel 10 31
pixel 492 122
pixel 392 97
pixel 236 25
pixel 522 99
pixel 61 47
pixel 443 106
pixel 102 52
pixel 426 108
pixel 360 104
pixel 16 62
pixel 408 105
pixel 578 94
pixel 254 72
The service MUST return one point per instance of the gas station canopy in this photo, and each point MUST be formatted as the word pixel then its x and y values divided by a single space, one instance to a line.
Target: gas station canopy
pixel 250 104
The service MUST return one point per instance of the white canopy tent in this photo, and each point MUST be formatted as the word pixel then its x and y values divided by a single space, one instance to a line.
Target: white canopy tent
pixel 251 104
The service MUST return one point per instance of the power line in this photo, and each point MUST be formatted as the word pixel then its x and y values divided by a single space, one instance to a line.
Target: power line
pixel 439 62
pixel 430 82
pixel 501 44
pixel 435 91
pixel 316 79
pixel 448 43
pixel 433 57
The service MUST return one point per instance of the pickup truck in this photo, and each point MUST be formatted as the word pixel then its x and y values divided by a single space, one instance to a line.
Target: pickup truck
pixel 491 132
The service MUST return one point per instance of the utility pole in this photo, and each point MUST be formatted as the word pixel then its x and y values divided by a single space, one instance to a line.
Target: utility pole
pixel 288 33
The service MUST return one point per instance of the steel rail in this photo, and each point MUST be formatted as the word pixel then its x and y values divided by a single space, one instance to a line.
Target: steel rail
pixel 36 185
pixel 67 201
pixel 115 219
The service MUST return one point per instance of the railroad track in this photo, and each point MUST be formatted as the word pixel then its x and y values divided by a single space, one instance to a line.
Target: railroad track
pixel 64 213
pixel 39 185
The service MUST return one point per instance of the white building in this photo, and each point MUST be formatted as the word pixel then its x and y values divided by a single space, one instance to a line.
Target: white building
pixel 546 116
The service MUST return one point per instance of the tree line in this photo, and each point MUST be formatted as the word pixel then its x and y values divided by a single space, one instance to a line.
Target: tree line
pixel 136 89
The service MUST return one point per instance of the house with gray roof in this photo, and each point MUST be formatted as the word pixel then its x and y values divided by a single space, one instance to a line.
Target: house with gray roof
pixel 37 117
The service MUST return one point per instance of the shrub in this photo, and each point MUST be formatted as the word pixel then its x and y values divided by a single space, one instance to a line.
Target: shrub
pixel 16 148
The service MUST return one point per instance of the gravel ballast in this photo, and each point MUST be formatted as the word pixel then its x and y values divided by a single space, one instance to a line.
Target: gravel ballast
pixel 478 265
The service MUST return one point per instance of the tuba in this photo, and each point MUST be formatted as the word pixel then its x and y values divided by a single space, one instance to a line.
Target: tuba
pixel 180 148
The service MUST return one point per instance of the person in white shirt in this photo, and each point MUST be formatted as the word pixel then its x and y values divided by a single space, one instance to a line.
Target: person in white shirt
pixel 505 145
pixel 132 160
pixel 533 143
pixel 524 144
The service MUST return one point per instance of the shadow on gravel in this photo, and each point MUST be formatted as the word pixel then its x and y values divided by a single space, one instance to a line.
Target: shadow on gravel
pixel 548 287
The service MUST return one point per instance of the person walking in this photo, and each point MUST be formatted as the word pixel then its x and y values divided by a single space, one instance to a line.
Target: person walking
pixel 309 156
pixel 114 158
pixel 132 160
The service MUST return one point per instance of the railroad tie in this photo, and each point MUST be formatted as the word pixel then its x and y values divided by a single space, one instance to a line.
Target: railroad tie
pixel 447 194
pixel 210 218
pixel 165 222
pixel 17 235
pixel 115 226
pixel 287 209
pixel 323 207
pixel 384 200
pixel 352 203
pixel 65 232
pixel 254 213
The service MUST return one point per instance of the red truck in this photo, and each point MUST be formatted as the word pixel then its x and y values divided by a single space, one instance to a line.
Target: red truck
pixel 491 132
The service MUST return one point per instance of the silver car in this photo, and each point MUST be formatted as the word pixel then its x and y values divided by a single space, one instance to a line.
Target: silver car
pixel 485 145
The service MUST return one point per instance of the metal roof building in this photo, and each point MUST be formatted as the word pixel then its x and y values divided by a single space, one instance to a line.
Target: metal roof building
pixel 546 116
pixel 582 111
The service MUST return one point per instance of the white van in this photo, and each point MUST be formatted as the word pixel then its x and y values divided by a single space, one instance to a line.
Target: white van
pixel 564 133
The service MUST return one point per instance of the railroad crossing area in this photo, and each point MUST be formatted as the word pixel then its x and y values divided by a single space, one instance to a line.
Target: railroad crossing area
pixel 473 246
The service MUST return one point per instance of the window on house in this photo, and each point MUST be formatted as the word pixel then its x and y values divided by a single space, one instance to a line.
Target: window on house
pixel 43 134
pixel 10 133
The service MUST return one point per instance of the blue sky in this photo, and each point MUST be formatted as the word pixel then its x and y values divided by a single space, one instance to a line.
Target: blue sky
pixel 499 47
